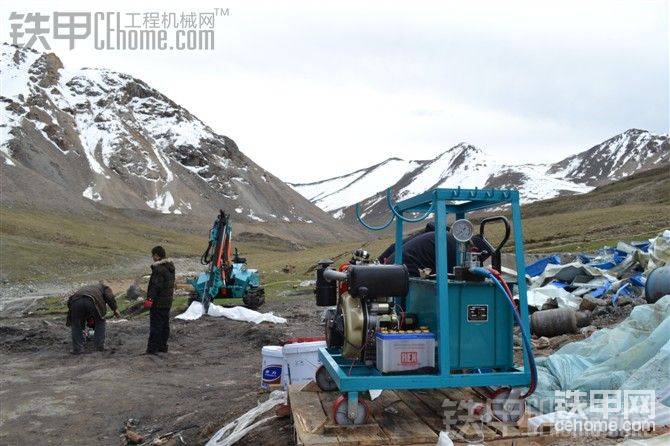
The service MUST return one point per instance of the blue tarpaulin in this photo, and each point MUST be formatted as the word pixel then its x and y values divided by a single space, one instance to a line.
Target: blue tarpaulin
pixel 615 255
pixel 623 291
pixel 598 292
pixel 620 254
pixel 537 268
pixel 558 284
pixel 604 265
pixel 642 246
pixel 638 280
pixel 584 258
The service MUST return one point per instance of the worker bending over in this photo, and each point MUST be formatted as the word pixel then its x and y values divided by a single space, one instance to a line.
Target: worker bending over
pixel 159 297
pixel 387 256
pixel 418 251
pixel 89 302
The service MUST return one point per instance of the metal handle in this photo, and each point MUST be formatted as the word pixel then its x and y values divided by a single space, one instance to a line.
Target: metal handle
pixel 496 260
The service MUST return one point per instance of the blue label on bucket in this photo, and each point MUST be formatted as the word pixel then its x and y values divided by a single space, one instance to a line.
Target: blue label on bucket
pixel 272 374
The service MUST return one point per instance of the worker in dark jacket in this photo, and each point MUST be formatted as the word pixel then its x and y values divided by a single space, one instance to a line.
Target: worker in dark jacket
pixel 90 302
pixel 419 253
pixel 159 295
pixel 389 253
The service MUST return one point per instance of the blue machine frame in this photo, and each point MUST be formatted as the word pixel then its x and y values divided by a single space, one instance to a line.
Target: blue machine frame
pixel 352 377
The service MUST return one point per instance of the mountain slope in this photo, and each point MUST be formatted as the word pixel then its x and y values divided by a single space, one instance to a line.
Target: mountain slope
pixel 634 208
pixel 75 138
pixel 346 190
pixel 467 166
pixel 616 158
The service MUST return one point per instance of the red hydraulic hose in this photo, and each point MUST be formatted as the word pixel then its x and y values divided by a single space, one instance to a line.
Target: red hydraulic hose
pixel 499 276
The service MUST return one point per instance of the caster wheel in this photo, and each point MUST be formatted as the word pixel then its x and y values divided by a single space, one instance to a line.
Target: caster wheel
pixel 341 407
pixel 505 409
pixel 324 380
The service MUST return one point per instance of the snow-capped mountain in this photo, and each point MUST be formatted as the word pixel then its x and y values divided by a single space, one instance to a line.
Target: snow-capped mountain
pixel 72 137
pixel 467 166
pixel 622 155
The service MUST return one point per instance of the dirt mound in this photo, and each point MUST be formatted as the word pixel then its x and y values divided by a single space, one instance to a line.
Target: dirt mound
pixel 18 339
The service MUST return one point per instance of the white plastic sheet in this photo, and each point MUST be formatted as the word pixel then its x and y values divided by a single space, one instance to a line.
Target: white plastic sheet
pixel 660 248
pixel 539 296
pixel 196 310
pixel 374 393
pixel 444 439
pixel 632 355
pixel 237 429
pixel 569 273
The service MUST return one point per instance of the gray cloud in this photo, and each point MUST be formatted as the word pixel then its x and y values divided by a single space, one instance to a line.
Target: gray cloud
pixel 367 80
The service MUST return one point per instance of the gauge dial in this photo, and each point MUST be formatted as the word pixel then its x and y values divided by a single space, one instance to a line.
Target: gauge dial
pixel 462 230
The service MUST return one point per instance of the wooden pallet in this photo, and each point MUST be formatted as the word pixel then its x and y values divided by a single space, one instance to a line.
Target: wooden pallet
pixel 398 418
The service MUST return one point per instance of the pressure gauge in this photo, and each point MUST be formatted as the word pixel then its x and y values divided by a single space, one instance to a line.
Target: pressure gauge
pixel 462 230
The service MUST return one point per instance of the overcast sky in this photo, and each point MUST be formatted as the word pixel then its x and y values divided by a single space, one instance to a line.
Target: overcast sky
pixel 315 89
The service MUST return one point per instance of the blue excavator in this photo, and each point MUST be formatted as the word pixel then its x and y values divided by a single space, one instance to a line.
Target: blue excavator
pixel 227 274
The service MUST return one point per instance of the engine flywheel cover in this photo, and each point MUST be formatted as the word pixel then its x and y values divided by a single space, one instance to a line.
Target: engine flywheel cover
pixel 354 325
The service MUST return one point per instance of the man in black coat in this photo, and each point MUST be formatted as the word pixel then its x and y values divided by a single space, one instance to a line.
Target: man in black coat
pixel 419 253
pixel 388 256
pixel 89 302
pixel 160 292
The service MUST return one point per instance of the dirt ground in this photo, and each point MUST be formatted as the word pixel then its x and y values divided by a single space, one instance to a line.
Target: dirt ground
pixel 210 376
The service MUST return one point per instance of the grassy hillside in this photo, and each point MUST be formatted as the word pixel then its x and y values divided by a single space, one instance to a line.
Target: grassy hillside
pixel 636 207
pixel 41 245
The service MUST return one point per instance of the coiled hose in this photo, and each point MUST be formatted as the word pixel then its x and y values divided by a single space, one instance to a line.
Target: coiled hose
pixel 500 283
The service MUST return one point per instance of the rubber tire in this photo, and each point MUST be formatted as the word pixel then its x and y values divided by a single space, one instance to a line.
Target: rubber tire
pixel 340 407
pixel 496 402
pixel 324 380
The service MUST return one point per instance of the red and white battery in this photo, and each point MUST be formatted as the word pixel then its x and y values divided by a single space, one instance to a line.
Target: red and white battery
pixel 404 351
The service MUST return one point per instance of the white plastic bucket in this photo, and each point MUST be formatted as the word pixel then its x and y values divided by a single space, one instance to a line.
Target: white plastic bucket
pixel 301 359
pixel 272 364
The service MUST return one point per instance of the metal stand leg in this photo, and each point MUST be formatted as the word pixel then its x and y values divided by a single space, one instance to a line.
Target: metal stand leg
pixel 352 409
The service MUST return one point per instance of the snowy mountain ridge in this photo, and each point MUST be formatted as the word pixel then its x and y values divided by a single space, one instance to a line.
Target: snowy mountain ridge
pixel 71 137
pixel 467 166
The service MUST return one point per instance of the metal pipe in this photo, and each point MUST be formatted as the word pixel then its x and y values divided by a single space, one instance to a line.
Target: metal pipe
pixel 553 322
pixel 332 275
pixel 658 284
pixel 521 271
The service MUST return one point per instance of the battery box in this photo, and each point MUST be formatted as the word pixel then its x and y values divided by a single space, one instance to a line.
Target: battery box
pixel 404 351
